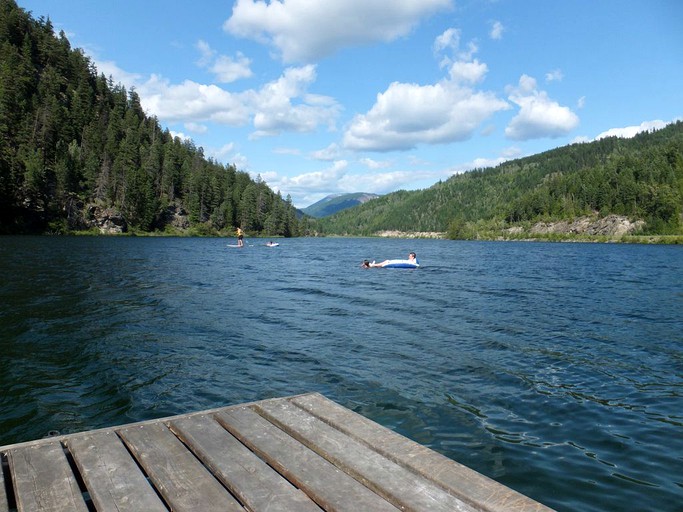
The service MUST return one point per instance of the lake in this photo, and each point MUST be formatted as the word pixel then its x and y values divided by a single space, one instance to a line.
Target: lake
pixel 556 369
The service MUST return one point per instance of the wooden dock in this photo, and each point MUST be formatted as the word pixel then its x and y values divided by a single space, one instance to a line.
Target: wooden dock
pixel 301 453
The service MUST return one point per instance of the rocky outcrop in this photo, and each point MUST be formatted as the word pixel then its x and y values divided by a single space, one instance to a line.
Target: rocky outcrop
pixel 410 234
pixel 611 225
pixel 109 221
pixel 174 215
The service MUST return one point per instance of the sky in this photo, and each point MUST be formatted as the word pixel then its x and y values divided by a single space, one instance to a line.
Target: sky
pixel 321 97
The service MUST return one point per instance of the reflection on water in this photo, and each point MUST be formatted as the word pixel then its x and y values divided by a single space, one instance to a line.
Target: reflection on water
pixel 556 369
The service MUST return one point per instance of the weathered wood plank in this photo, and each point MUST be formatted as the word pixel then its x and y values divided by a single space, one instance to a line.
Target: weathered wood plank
pixel 406 489
pixel 461 481
pixel 256 484
pixel 112 477
pixel 330 487
pixel 43 480
pixel 4 504
pixel 180 478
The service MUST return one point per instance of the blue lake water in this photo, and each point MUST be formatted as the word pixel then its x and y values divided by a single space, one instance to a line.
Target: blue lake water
pixel 556 369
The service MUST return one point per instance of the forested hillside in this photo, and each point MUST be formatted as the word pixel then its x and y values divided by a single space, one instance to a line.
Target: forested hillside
pixel 75 147
pixel 639 178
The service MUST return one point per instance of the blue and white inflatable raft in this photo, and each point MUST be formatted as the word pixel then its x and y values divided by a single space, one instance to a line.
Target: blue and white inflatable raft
pixel 402 264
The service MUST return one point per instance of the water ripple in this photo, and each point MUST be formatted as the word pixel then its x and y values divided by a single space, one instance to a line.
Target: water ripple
pixel 555 368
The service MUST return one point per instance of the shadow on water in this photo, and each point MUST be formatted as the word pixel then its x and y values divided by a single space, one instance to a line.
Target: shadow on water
pixel 556 369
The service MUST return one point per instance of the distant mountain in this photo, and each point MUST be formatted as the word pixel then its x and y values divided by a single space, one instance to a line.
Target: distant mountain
pixel 337 202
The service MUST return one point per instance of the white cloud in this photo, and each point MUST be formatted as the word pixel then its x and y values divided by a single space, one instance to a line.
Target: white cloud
pixel 206 53
pixel 118 75
pixel 497 30
pixel 554 76
pixel 226 69
pixel 307 188
pixel 538 116
pixel 179 135
pixel 631 131
pixel 229 70
pixel 223 152
pixel 374 164
pixel 471 72
pixel 307 30
pixel 312 182
pixel 448 40
pixel 240 161
pixel 329 153
pixel 385 182
pixel 406 115
pixel 276 112
pixel 581 102
pixel 282 105
pixel 196 128
pixel 192 102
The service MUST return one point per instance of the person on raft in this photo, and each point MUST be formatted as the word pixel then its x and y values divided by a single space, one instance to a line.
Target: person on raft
pixel 412 258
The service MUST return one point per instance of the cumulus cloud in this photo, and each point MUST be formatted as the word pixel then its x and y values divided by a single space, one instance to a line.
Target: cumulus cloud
pixel 406 115
pixel 190 101
pixel 631 131
pixel 307 30
pixel 276 111
pixel 281 105
pixel 227 69
pixel 538 116
pixel 468 72
pixel 302 184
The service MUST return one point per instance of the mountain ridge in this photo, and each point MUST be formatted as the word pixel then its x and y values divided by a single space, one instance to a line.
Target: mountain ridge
pixel 334 203
pixel 640 178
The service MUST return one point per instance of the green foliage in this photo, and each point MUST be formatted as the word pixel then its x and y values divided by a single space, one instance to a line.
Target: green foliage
pixel 67 133
pixel 640 178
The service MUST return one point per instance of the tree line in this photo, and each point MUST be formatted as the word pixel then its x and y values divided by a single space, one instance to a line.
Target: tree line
pixel 70 138
pixel 640 178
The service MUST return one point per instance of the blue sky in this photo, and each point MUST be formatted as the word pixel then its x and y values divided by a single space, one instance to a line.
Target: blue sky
pixel 321 97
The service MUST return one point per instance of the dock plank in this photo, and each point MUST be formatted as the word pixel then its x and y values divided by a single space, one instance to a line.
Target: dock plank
pixel 303 453
pixel 4 504
pixel 472 487
pixel 43 480
pixel 183 482
pixel 404 488
pixel 326 484
pixel 256 484
pixel 113 479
